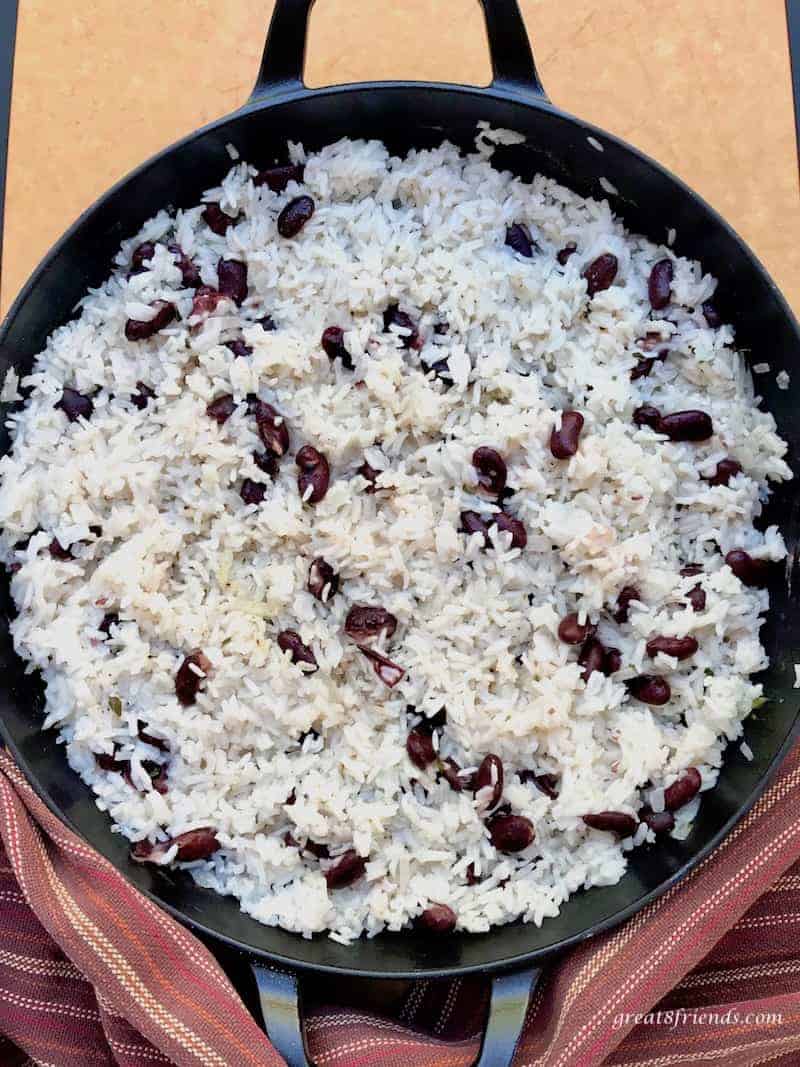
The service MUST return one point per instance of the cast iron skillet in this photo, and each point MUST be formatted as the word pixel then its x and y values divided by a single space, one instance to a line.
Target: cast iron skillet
pixel 650 200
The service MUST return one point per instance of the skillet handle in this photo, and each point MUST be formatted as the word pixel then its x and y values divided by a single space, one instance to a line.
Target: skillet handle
pixel 280 1001
pixel 283 61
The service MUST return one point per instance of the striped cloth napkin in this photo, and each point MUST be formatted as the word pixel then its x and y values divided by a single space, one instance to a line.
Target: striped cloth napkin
pixel 93 974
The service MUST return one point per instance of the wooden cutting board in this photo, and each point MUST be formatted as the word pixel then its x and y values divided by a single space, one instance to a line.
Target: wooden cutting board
pixel 703 87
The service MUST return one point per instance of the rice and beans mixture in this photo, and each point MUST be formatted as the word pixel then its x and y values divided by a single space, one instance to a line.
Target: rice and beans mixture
pixel 383 532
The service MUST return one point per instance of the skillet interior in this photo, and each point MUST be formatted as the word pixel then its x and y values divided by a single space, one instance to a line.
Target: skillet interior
pixel 416 115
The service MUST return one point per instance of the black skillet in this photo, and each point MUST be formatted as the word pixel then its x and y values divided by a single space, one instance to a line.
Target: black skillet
pixel 650 200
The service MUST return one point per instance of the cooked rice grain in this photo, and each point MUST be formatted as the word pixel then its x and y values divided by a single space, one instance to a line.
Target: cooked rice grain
pixel 268 749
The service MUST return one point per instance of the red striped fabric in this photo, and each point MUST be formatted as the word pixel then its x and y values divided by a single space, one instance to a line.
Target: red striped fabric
pixel 92 973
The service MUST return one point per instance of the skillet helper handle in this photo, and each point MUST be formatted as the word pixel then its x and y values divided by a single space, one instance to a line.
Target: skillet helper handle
pixel 283 61
pixel 280 1000
pixel 793 25
pixel 8 30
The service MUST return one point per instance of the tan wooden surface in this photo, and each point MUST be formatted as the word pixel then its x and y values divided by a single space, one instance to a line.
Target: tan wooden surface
pixel 703 87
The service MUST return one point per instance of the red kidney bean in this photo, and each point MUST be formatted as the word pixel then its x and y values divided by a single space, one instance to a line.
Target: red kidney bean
pixel 749 571
pixel 659 286
pixel 697 598
pixel 613 822
pixel 433 722
pixel 267 462
pixel 57 550
pixel 221 409
pixel 205 300
pixel 660 822
pixel 75 405
pixel 314 474
pixel 437 919
pixel 441 370
pixel 158 775
pixel 334 348
pixel 678 647
pixel 345 870
pixel 564 441
pixel 271 426
pixel 518 237
pixel 683 790
pixel 645 364
pixel 142 397
pixel 470 876
pixel 627 595
pixel 592 657
pixel 711 315
pixel 642 368
pixel 687 426
pixel 187 683
pixel 573 632
pixel 612 662
pixel 321 851
pixel 142 732
pixel 193 845
pixel 393 316
pixel 142 255
pixel 691 569
pixel 388 672
pixel 419 746
pixel 647 415
pixel 600 273
pixel 545 783
pixel 290 641
pixel 569 249
pixel 370 475
pixel 277 178
pixel 471 523
pixel 364 621
pixel 511 833
pixel 136 330
pixel 490 775
pixel 508 524
pixel 109 619
pixel 295 215
pixel 232 280
pixel 188 268
pixel 321 576
pixel 267 323
pixel 455 777
pixel 726 469
pixel 218 220
pixel 239 348
pixel 650 689
pixel 107 762
pixel 252 492
pixel 491 468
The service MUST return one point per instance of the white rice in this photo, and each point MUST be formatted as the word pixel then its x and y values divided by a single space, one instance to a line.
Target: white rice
pixel 185 564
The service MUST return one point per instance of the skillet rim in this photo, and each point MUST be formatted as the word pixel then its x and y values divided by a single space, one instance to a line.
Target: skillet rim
pixel 502 94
